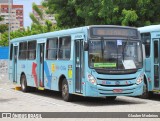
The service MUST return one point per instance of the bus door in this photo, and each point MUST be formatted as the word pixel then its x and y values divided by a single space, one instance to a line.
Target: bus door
pixel 78 65
pixel 41 48
pixel 15 56
pixel 156 63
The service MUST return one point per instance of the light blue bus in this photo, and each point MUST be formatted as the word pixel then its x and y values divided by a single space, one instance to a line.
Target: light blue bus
pixel 151 39
pixel 94 61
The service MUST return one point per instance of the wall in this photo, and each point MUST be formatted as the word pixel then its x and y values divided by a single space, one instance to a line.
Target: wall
pixel 3 66
pixel 4 51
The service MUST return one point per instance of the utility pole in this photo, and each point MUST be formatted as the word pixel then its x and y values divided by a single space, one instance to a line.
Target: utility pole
pixel 9 19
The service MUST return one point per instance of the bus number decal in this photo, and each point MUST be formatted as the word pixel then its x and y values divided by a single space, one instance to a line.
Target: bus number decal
pixel 69 71
pixel 62 68
pixel 78 36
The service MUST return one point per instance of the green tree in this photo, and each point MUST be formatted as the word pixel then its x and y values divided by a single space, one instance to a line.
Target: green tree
pixel 4 39
pixel 89 10
pixel 3 27
pixel 36 25
pixel 65 13
pixel 71 13
pixel 1 18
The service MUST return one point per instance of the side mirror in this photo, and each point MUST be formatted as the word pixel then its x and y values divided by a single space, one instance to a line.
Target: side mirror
pixel 86 46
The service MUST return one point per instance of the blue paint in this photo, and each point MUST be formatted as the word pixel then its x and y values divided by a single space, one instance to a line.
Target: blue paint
pixel 48 75
pixel 130 82
pixel 62 68
pixel 153 35
pixel 4 52
pixel 117 83
pixel 107 82
pixel 22 66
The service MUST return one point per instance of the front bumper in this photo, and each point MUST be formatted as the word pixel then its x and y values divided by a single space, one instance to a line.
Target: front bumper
pixel 102 90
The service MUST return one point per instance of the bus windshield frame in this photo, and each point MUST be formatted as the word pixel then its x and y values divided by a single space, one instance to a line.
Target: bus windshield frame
pixel 115 55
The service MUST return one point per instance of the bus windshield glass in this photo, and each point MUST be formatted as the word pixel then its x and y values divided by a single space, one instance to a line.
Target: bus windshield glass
pixel 115 54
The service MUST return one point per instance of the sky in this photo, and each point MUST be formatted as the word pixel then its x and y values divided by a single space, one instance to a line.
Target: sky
pixel 27 7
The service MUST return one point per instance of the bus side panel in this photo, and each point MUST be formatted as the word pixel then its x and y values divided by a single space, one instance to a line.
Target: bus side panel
pixel 47 75
pixel 10 70
pixel 148 72
pixel 30 73
pixel 26 68
pixel 54 70
pixel 11 63
pixel 21 69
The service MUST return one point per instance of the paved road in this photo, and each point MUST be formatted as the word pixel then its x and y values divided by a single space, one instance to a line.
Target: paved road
pixel 50 101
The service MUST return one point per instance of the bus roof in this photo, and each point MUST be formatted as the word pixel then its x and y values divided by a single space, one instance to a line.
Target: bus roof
pixel 49 34
pixel 63 32
pixel 151 28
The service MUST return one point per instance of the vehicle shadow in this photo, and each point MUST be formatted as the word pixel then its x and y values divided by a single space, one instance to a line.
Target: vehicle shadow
pixel 155 97
pixel 48 93
pixel 93 101
pixel 88 101
pixel 7 100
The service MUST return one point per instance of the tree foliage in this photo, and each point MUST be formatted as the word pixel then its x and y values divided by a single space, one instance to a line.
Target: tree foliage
pixel 3 27
pixel 36 28
pixel 74 13
pixel 65 13
pixel 36 22
pixel 1 18
pixel 71 13
pixel 33 30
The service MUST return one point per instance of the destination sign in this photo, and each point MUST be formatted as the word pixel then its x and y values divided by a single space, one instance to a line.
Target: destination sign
pixel 109 31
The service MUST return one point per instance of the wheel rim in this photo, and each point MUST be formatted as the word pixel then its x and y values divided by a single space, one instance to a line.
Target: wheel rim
pixel 65 90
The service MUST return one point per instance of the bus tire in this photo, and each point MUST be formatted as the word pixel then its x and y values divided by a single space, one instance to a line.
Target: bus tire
pixel 65 91
pixel 146 94
pixel 111 98
pixel 24 86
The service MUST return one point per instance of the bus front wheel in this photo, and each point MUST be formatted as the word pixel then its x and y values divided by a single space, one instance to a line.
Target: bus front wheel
pixel 65 91
pixel 146 94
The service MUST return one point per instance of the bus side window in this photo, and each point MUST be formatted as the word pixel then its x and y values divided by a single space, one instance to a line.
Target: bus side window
pixel 52 47
pixel 64 47
pixel 146 39
pixel 23 50
pixel 32 50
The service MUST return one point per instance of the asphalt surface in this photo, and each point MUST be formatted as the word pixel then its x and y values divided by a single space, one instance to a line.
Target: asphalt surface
pixel 12 100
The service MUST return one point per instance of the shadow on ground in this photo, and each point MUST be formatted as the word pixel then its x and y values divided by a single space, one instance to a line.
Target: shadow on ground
pixel 2 100
pixel 89 101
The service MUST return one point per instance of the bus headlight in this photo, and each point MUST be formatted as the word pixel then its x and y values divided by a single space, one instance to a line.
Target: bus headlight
pixel 91 79
pixel 140 79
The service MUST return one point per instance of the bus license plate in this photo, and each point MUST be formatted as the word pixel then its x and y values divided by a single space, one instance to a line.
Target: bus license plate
pixel 117 90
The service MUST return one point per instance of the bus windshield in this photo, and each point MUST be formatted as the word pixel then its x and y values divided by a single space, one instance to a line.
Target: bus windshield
pixel 115 54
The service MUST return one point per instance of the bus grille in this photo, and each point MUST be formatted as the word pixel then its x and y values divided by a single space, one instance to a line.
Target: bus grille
pixel 116 85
